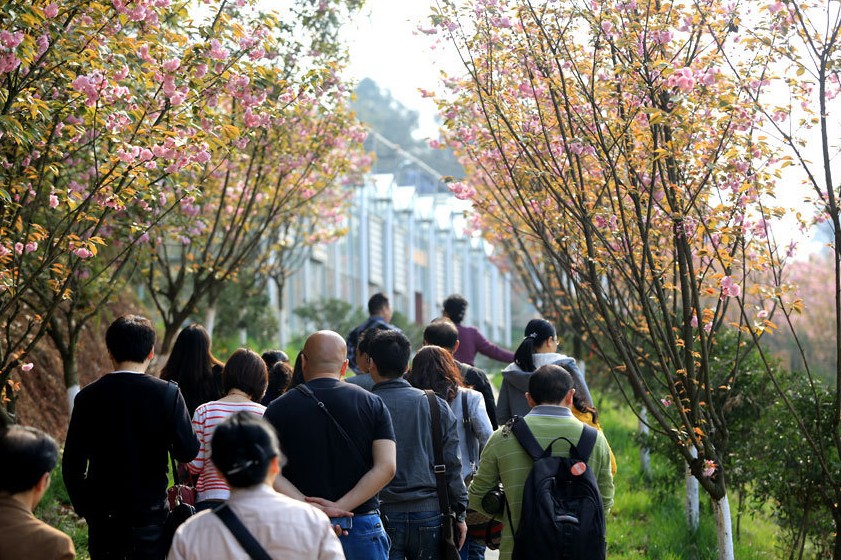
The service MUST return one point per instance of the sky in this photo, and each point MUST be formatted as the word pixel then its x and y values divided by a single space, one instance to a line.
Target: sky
pixel 385 47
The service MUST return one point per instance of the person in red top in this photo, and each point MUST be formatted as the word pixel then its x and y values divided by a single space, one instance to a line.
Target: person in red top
pixel 470 340
pixel 244 379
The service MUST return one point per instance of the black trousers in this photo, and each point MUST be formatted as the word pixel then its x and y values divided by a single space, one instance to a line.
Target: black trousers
pixel 110 539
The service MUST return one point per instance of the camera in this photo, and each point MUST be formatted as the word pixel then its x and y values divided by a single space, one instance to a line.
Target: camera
pixel 494 501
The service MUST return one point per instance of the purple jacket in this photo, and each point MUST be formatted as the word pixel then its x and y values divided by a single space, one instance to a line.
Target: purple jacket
pixel 471 341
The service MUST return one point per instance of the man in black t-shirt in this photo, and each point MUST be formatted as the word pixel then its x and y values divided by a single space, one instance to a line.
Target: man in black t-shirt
pixel 339 470
pixel 115 456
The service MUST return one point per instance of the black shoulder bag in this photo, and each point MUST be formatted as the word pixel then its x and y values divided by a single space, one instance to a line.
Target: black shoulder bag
pixel 181 497
pixel 449 548
pixel 243 536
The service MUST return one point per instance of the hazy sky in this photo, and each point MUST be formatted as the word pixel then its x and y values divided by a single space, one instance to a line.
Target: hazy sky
pixel 385 47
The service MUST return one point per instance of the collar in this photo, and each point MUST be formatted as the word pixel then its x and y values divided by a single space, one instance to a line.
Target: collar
pixel 9 501
pixel 550 410
pixel 392 383
pixel 129 371
pixel 239 494
pixel 323 382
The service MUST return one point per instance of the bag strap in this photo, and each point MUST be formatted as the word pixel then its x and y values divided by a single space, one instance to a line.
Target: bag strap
pixel 582 449
pixel 243 536
pixel 468 428
pixel 523 434
pixel 308 392
pixel 439 466
pixel 586 443
pixel 172 387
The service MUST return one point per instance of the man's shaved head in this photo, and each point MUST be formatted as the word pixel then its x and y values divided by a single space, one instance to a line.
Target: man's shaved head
pixel 325 352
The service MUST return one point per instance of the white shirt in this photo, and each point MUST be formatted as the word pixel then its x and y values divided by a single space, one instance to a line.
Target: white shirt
pixel 286 528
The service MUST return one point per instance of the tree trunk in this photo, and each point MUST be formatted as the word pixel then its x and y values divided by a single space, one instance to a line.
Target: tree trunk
pixel 692 508
pixel 243 336
pixel 210 319
pixel 724 528
pixel 645 449
pixel 71 374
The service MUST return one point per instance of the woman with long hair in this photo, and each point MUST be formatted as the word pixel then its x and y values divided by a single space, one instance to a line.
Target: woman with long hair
pixel 435 368
pixel 538 348
pixel 195 369
pixel 244 380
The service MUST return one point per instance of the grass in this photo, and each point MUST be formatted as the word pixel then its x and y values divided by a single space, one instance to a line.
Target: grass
pixel 646 522
pixel 55 509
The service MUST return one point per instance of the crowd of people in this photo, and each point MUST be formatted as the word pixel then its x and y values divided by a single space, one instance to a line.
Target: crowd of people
pixel 306 461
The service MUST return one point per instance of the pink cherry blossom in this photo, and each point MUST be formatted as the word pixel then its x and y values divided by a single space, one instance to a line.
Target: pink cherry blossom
pixel 51 10
pixel 53 201
pixel 729 288
pixel 31 247
pixel 83 253
pixel 27 366
pixel 709 468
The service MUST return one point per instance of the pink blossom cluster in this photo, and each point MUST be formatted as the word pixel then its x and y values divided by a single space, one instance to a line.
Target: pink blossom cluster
pixel 462 190
pixel 729 288
pixel 9 41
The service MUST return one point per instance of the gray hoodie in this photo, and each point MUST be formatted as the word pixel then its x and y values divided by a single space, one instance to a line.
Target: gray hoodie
pixel 515 382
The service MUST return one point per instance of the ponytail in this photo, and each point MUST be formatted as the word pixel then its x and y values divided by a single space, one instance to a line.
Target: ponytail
pixel 537 332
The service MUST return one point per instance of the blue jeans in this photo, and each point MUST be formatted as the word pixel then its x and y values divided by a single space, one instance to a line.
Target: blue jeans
pixel 472 550
pixel 415 535
pixel 366 539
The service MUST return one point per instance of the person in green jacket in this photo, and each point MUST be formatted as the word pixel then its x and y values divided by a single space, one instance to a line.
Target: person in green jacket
pixel 504 460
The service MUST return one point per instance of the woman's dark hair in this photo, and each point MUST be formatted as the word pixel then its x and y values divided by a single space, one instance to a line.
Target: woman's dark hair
pixel 271 357
pixel 242 448
pixel 280 375
pixel 579 401
pixel 297 373
pixel 245 370
pixel 192 365
pixel 455 306
pixel 537 332
pixel 434 368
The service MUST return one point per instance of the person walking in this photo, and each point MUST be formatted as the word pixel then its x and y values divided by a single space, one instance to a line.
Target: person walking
pixel 410 501
pixel 379 311
pixel 470 339
pixel 435 369
pixel 196 370
pixel 116 454
pixel 337 469
pixel 244 380
pixel 247 454
pixel 537 349
pixel 550 394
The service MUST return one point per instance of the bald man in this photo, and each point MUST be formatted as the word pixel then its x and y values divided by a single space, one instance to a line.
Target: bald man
pixel 342 471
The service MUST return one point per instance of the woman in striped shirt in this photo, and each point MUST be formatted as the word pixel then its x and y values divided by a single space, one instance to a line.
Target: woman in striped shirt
pixel 244 380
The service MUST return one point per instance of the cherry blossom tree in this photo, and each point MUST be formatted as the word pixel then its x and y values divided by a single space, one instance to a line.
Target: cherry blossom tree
pixel 617 154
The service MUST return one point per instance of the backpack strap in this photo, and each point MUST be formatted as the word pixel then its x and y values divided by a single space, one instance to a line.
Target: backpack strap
pixel 523 434
pixel 586 443
pixel 468 427
pixel 243 536
pixel 438 448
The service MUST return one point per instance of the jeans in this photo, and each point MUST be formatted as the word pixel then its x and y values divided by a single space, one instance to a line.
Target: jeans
pixel 414 535
pixel 366 539
pixel 472 550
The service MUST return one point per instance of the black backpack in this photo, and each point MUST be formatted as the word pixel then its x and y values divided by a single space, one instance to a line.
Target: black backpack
pixel 562 515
